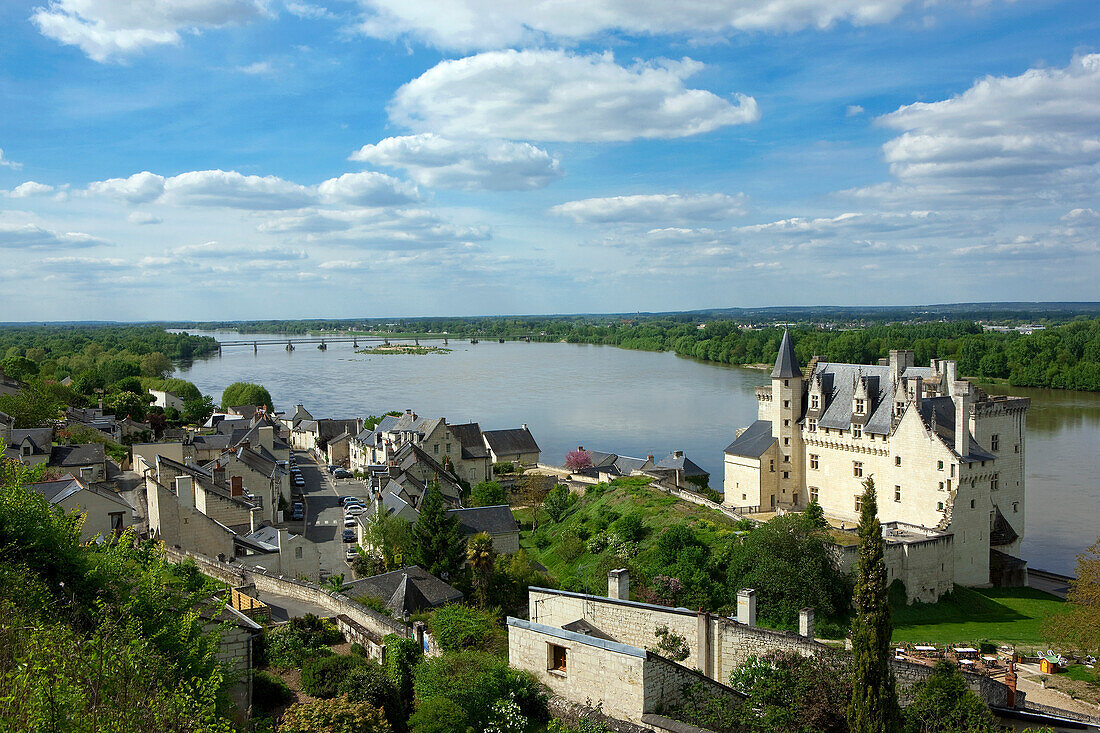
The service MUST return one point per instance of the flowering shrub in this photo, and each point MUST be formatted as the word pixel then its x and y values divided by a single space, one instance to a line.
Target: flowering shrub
pixel 506 717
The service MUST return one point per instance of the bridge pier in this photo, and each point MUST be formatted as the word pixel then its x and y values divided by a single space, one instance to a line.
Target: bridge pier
pixel 355 343
pixel 444 341
pixel 255 348
pixel 416 341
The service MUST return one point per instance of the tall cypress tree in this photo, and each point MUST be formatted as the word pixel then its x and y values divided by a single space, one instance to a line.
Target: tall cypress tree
pixel 437 542
pixel 874 705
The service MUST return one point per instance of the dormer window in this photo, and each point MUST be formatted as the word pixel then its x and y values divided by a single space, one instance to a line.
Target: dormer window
pixel 811 425
pixel 859 406
pixel 857 431
pixel 815 402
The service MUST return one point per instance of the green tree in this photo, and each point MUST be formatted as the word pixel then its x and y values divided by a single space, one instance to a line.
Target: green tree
pixel 481 555
pixel 127 403
pixel 943 703
pixel 338 715
pixel 438 715
pixel 558 502
pixel 789 692
pixel 369 683
pixel 198 411
pixel 1079 626
pixel 402 656
pixel 874 702
pixel 19 367
pixel 814 517
pixel 246 393
pixel 323 675
pixel 437 542
pixel 388 540
pixel 32 407
pixel 487 493
pixel 155 364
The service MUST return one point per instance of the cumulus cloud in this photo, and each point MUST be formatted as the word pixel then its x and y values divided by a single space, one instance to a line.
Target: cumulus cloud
pixel 368 189
pixel 560 96
pixel 30 188
pixel 653 208
pixel 214 250
pixel 439 162
pixel 143 218
pixel 138 188
pixel 1033 137
pixel 32 236
pixel 235 190
pixel 8 163
pixel 483 24
pixel 386 229
pixel 103 29
pixel 853 110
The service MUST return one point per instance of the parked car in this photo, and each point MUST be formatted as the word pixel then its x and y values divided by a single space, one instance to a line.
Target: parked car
pixel 351 554
pixel 345 500
pixel 349 535
pixel 350 521
pixel 299 481
pixel 354 509
pixel 297 511
pixel 342 473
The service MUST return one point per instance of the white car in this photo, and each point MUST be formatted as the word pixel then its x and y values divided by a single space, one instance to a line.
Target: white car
pixel 351 554
pixel 350 521
pixel 354 510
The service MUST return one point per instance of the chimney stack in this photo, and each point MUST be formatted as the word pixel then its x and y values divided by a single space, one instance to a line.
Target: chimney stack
pixel 185 490
pixel 618 584
pixel 746 606
pixel 523 426
pixel 677 454
pixel 806 623
pixel 1010 682
pixel 960 395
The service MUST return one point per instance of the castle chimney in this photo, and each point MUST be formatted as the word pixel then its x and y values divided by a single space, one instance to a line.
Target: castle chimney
pixel 677 454
pixel 806 623
pixel 960 395
pixel 618 584
pixel 523 426
pixel 185 490
pixel 746 606
pixel 951 368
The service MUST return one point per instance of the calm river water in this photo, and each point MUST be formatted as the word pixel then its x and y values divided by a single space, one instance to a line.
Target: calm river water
pixel 637 403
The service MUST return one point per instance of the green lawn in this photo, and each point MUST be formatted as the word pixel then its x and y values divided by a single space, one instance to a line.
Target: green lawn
pixel 972 615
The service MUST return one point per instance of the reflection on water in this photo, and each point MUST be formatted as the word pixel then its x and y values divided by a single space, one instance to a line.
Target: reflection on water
pixel 637 403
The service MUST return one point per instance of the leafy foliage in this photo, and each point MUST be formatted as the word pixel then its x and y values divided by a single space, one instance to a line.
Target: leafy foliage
pixel 368 683
pixel 787 691
pixel 438 715
pixel 338 715
pixel 474 681
pixel 487 493
pixel 457 627
pixel 269 692
pixel 402 656
pixel 246 393
pixel 437 542
pixel 322 676
pixel 481 557
pixel 558 502
pixel 942 703
pixel 1079 627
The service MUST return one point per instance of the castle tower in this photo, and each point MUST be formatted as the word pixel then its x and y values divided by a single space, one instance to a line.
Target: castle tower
pixel 787 393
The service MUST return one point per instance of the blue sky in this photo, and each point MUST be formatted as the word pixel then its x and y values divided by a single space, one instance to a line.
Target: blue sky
pixel 220 159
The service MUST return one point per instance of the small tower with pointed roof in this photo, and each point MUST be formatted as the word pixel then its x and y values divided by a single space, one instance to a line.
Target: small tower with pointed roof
pixel 788 387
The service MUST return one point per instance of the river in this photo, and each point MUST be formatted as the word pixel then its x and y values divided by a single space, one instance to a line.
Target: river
pixel 636 403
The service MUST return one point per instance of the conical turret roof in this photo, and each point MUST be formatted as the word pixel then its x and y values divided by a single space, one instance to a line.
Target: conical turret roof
pixel 786 364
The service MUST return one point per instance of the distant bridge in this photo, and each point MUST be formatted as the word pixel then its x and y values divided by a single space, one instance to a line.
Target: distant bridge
pixel 322 342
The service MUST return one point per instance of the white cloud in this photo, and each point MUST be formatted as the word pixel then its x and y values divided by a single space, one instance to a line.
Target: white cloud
pixel 368 189
pixel 559 96
pixel 440 162
pixel 214 250
pixel 143 218
pixel 138 188
pixel 653 208
pixel 483 24
pixel 853 110
pixel 30 188
pixel 106 28
pixel 256 68
pixel 9 163
pixel 32 236
pixel 1033 137
pixel 235 190
pixel 308 10
pixel 385 229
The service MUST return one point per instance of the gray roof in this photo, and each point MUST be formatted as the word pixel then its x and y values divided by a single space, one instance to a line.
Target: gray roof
pixel 470 437
pixel 211 442
pixel 328 429
pixel 754 441
pixel 491 519
pixel 944 410
pixel 839 383
pixel 407 590
pixel 77 455
pixel 40 439
pixel 681 462
pixel 61 489
pixel 515 440
pixel 786 363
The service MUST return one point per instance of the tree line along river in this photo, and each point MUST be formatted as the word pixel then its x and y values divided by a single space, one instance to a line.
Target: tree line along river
pixel 637 403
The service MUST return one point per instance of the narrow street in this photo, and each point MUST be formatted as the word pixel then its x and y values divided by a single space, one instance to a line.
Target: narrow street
pixel 324 515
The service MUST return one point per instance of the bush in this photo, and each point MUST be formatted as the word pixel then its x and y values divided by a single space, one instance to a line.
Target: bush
pixel 457 626
pixel 290 647
pixel 402 655
pixel 369 683
pixel 438 715
pixel 474 681
pixel 570 547
pixel 504 467
pixel 942 703
pixel 269 692
pixel 322 676
pixel 487 493
pixel 333 716
pixel 629 527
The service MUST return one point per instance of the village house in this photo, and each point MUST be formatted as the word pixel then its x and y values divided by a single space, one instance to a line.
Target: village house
pixel 276 550
pixel 495 521
pixel 106 514
pixel 34 447
pixel 515 445
pixel 473 463
pixel 165 399
pixel 944 455
pixel 257 475
pixel 406 591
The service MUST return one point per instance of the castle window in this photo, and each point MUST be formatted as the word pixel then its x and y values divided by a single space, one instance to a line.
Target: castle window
pixel 297 553
pixel 813 494
pixel 995 482
pixel 786 459
pixel 859 406
pixel 941 485
pixel 949 484
pixel 786 403
pixel 436 448
pixel 857 431
pixel 859 503
pixel 786 441
pixel 857 469
pixel 786 423
pixel 994 442
pixel 813 461
pixel 939 505
pixel 786 383
pixel 939 465
pixel 448 447
pixel 811 425
pixel 1015 507
pixel 786 474
pixel 1017 447
pixel 897 460
pixel 952 469
pixel 897 493
pixel 971 503
pixel 815 402
pixel 744 497
pixel 558 658
pixel 771 465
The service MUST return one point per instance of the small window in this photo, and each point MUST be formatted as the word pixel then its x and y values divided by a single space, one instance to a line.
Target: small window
pixel 952 469
pixel 436 448
pixel 448 447
pixel 744 497
pixel 771 465
pixel 786 441
pixel 786 459
pixel 859 407
pixel 815 402
pixel 1017 447
pixel 857 431
pixel 559 658
pixel 897 460
pixel 813 461
pixel 786 474
pixel 813 493
pixel 941 485
pixel 786 403
pixel 811 425
pixel 995 482
pixel 939 505
pixel 786 383
pixel 939 465
pixel 897 493
pixel 297 553
pixel 859 503
pixel 786 423
pixel 972 503
pixel 1015 507
pixel 857 469
pixel 994 442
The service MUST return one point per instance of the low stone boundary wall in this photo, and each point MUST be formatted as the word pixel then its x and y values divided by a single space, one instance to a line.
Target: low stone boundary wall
pixel 660 722
pixel 573 713
pixel 1070 714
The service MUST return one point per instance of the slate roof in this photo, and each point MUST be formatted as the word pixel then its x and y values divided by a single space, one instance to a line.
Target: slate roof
pixel 205 478
pixel 73 456
pixel 245 411
pixel 470 437
pixel 944 410
pixel 40 439
pixel 330 428
pixel 60 489
pixel 1002 532
pixel 491 519
pixel 754 441
pixel 406 591
pixel 683 463
pixel 218 442
pixel 514 440
pixel 786 363
pixel 266 537
pixel 839 381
